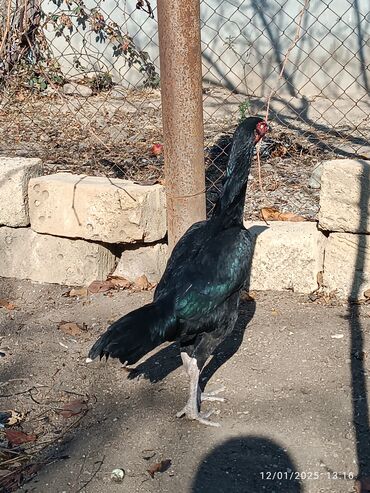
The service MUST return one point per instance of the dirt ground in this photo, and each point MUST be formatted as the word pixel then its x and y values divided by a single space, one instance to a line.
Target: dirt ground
pixel 287 425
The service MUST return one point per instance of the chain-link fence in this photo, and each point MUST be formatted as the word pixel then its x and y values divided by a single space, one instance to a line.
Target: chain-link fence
pixel 79 88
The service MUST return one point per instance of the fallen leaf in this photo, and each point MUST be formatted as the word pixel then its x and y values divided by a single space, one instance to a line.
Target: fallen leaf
pixel 71 328
pixel 272 214
pixel 280 151
pixel 78 292
pixel 6 304
pixel 12 481
pixel 367 293
pixel 142 283
pixel 73 408
pixel 100 286
pixel 320 278
pixel 120 282
pixel 146 183
pixel 11 418
pixel 247 296
pixel 15 437
pixel 162 466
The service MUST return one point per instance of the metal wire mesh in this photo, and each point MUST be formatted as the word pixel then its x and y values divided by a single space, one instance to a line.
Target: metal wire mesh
pixel 79 88
pixel 320 90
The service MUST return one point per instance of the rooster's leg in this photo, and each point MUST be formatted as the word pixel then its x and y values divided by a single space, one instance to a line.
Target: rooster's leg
pixel 191 409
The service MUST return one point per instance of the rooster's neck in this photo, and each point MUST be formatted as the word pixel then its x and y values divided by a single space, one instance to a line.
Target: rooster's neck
pixel 232 199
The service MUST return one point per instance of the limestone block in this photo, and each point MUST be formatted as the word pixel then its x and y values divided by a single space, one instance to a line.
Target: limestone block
pixel 287 256
pixel 95 208
pixel 347 265
pixel 149 260
pixel 315 178
pixel 77 89
pixel 15 173
pixel 25 254
pixel 345 196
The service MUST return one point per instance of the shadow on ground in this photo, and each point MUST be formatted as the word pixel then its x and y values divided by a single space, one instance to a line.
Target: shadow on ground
pixel 247 464
pixel 360 401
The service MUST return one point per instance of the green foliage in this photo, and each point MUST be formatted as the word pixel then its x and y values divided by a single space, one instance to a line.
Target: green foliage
pixel 29 58
pixel 73 16
pixel 101 82
pixel 244 110
pixel 44 73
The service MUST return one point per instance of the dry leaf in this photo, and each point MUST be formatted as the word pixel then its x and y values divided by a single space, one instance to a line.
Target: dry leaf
pixel 149 182
pixel 15 437
pixel 320 278
pixel 245 296
pixel 71 328
pixel 6 304
pixel 73 408
pixel 272 214
pixel 162 466
pixel 11 418
pixel 142 283
pixel 100 286
pixel 280 151
pixel 80 292
pixel 12 481
pixel 120 282
pixel 367 293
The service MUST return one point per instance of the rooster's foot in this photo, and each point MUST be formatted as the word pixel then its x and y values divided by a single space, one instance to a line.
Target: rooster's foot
pixel 212 396
pixel 197 416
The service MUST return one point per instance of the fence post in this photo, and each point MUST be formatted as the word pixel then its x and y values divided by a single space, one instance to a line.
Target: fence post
pixel 182 111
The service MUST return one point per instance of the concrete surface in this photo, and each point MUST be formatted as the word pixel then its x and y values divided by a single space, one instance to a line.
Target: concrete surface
pixel 15 173
pixel 347 265
pixel 149 260
pixel 29 255
pixel 97 208
pixel 287 256
pixel 345 196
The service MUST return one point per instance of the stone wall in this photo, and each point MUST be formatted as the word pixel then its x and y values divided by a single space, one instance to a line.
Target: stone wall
pixel 72 230
pixel 344 211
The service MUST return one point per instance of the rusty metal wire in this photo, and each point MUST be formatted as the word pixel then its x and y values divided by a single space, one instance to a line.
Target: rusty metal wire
pixel 79 88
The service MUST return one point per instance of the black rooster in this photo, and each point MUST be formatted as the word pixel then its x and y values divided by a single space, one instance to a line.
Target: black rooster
pixel 196 301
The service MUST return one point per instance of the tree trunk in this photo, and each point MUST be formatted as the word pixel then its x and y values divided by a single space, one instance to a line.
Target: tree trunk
pixel 20 20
